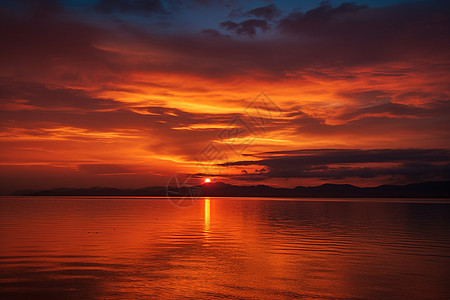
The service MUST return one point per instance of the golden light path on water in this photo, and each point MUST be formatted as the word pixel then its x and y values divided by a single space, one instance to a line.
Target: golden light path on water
pixel 207 216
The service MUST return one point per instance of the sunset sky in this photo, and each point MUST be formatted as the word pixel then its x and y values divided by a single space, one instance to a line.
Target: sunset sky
pixel 127 93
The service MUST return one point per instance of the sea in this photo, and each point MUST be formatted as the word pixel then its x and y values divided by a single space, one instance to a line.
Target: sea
pixel 223 248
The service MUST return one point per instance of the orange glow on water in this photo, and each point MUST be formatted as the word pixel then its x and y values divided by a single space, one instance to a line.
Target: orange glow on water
pixel 198 247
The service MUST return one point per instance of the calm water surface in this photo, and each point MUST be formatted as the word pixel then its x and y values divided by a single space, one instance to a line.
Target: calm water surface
pixel 128 248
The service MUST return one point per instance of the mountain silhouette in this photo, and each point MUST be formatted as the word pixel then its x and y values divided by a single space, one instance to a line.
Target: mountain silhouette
pixel 439 189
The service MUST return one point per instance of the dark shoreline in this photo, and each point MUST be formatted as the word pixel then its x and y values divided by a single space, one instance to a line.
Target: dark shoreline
pixel 440 189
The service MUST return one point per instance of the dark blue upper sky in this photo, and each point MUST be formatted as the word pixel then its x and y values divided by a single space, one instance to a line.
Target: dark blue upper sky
pixel 192 15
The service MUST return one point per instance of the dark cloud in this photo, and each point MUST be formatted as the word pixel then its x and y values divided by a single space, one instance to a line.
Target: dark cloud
pixel 409 164
pixel 425 111
pixel 268 12
pixel 368 97
pixel 331 40
pixel 214 33
pixel 125 6
pixel 375 126
pixel 226 3
pixel 247 27
pixel 374 35
pixel 330 156
pixel 229 25
pixel 317 18
pixel 393 109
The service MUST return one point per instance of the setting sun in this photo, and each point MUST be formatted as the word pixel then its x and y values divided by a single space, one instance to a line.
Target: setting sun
pixel 207 180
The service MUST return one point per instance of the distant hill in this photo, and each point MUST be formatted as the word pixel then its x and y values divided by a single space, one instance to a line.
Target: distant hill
pixel 440 189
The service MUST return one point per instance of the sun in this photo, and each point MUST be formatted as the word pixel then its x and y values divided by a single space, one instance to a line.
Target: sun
pixel 207 180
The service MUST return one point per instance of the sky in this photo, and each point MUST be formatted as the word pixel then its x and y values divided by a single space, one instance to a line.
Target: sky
pixel 128 93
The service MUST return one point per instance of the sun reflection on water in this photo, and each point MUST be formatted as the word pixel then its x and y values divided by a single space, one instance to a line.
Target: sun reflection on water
pixel 207 216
